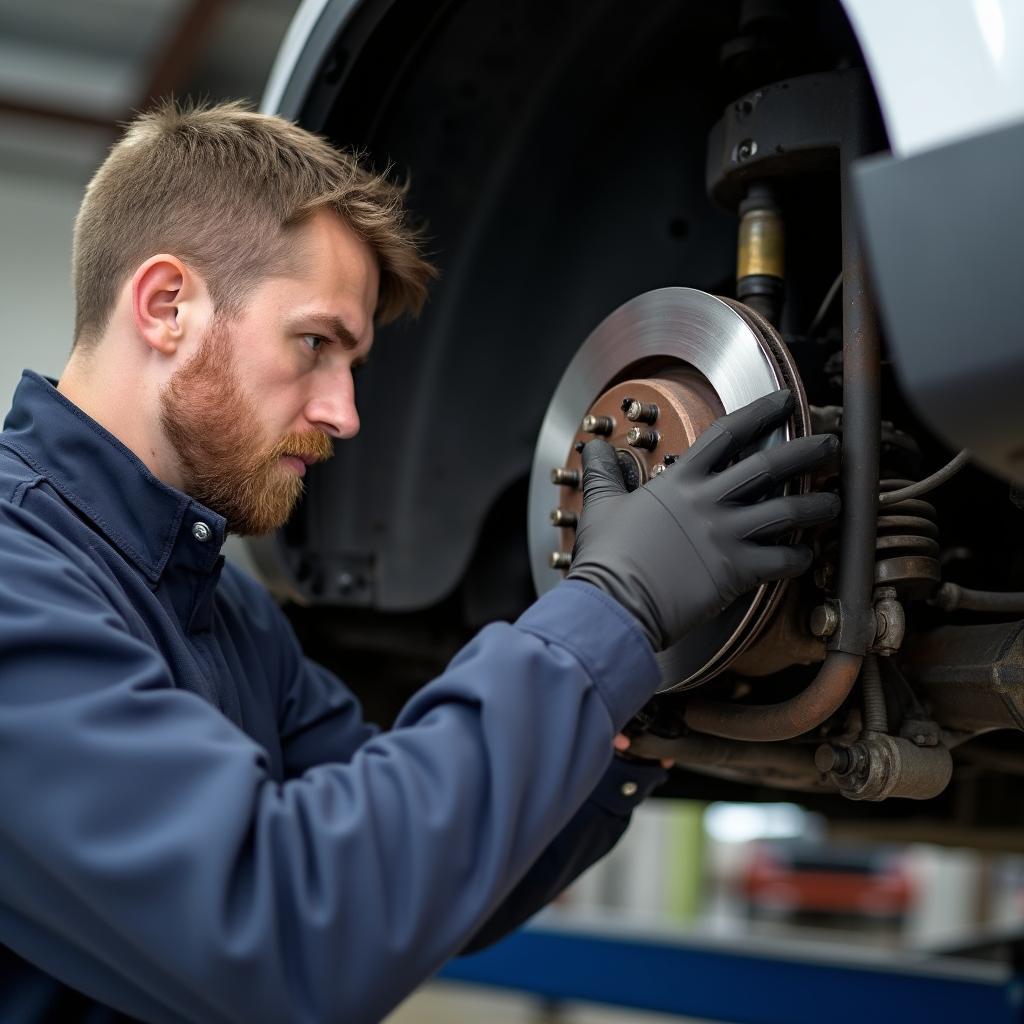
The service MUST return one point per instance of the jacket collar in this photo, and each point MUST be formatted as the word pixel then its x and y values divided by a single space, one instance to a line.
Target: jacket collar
pixel 108 484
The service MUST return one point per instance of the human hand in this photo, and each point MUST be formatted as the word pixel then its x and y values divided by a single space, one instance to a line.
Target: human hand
pixel 622 743
pixel 681 548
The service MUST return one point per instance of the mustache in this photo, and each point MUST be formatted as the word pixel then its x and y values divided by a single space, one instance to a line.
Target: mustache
pixel 310 445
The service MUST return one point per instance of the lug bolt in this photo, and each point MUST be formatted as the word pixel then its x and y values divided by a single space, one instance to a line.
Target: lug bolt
pixel 639 412
pixel 565 477
pixel 563 517
pixel 560 560
pixel 641 437
pixel 602 425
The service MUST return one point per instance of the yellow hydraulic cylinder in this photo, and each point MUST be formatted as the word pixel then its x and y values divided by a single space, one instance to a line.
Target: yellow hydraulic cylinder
pixel 762 244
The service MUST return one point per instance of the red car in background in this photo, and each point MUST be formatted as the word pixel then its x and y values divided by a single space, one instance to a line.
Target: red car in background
pixel 804 878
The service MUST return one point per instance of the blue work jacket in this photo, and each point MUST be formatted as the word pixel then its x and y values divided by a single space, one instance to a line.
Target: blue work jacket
pixel 196 824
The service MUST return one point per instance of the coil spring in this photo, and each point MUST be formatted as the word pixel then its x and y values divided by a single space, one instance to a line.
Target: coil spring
pixel 907 545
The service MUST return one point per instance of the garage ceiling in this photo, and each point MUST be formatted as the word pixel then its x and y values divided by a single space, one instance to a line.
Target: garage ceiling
pixel 71 70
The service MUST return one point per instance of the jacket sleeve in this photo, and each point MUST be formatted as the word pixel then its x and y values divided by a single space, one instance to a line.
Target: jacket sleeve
pixel 148 859
pixel 321 721
pixel 594 829
pixel 319 718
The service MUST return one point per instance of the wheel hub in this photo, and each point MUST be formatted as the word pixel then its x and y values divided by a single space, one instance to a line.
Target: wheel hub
pixel 674 409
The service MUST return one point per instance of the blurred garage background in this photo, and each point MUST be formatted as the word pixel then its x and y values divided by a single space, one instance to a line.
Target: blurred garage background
pixel 69 72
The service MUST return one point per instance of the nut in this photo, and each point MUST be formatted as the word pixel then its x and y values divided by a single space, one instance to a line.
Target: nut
pixel 824 621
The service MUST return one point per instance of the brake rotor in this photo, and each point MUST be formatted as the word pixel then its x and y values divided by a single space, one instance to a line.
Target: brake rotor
pixel 650 378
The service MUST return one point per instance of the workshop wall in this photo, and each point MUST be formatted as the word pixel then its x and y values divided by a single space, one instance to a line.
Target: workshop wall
pixel 70 73
pixel 37 215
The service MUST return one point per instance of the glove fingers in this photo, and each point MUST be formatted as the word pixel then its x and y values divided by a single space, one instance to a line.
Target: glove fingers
pixel 760 472
pixel 769 520
pixel 731 434
pixel 777 562
pixel 602 477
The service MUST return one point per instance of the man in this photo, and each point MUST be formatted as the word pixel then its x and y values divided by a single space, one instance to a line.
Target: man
pixel 195 822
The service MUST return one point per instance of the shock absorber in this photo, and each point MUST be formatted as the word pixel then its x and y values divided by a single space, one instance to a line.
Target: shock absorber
pixel 760 252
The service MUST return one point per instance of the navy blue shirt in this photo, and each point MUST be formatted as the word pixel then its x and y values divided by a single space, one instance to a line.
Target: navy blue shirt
pixel 196 824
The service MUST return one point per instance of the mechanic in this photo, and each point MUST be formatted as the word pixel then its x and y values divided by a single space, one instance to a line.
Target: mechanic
pixel 196 824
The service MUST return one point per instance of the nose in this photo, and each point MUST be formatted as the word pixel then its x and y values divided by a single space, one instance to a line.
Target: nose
pixel 333 408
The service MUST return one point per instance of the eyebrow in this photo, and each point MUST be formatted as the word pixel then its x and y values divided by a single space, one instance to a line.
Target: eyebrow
pixel 329 324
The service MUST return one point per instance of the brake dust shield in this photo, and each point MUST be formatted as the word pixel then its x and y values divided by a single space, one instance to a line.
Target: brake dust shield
pixel 650 378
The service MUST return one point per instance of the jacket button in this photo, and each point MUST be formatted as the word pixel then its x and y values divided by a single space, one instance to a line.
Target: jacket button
pixel 201 532
pixel 629 788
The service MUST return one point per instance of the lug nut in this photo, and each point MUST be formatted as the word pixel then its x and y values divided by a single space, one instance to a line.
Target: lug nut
pixel 639 412
pixel 602 425
pixel 563 517
pixel 560 560
pixel 641 437
pixel 565 477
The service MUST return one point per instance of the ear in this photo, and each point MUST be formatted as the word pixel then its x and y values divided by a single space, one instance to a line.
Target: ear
pixel 159 288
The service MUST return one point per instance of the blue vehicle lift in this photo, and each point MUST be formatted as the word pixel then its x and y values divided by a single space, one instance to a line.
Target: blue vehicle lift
pixel 751 983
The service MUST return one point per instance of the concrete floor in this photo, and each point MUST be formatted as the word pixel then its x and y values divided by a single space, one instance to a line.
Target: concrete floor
pixel 463 1004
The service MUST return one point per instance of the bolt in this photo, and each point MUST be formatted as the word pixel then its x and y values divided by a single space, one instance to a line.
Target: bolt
pixel 670 459
pixel 563 517
pixel 746 149
pixel 598 424
pixel 639 412
pixel 658 470
pixel 824 621
pixel 579 446
pixel 825 757
pixel 560 560
pixel 828 758
pixel 565 477
pixel 641 437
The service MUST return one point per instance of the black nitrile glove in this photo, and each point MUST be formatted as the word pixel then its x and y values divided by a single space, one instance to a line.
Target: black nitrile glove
pixel 686 544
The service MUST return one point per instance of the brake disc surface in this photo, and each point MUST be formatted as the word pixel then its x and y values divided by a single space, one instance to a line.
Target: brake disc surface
pixel 723 356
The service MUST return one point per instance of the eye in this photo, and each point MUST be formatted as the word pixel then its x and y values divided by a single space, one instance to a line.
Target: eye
pixel 314 341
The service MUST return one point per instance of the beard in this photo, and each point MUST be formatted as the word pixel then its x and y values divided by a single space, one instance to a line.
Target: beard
pixel 226 464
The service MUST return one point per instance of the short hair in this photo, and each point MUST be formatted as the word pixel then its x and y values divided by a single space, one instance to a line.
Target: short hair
pixel 219 186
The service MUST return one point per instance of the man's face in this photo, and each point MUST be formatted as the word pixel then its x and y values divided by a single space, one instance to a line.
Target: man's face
pixel 264 394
